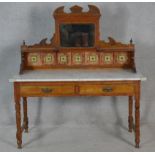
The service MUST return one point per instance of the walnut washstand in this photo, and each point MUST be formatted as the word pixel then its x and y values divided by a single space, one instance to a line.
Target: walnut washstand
pixel 77 63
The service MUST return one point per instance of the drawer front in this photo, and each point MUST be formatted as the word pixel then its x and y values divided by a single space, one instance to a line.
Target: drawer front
pixel 53 90
pixel 107 89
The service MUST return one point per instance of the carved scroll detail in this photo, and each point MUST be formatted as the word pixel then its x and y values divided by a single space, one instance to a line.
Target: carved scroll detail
pixel 59 10
pixel 93 9
pixel 43 41
pixel 113 43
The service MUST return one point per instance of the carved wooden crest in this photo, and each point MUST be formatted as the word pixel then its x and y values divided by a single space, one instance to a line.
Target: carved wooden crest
pixel 77 10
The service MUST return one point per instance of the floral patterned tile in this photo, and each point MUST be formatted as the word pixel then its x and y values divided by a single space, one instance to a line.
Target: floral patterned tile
pixel 91 58
pixel 106 58
pixel 48 59
pixel 34 59
pixel 121 58
pixel 64 58
pixel 77 58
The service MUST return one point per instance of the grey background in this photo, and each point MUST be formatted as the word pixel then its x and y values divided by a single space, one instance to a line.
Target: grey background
pixel 77 123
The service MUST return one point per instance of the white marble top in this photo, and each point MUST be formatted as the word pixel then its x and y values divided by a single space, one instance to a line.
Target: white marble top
pixel 78 75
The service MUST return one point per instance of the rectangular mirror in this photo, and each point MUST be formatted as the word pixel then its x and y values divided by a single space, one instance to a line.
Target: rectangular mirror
pixel 77 35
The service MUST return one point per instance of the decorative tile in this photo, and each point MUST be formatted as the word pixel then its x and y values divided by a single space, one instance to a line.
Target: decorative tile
pixel 34 59
pixel 91 58
pixel 64 58
pixel 77 58
pixel 121 58
pixel 106 58
pixel 48 58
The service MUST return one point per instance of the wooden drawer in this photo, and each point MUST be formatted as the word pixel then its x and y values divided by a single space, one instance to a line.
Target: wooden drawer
pixel 42 90
pixel 106 89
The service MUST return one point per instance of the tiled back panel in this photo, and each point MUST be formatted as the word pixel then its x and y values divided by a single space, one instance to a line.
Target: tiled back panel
pixel 78 58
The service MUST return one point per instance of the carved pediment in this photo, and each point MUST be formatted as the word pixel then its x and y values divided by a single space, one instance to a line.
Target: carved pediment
pixel 77 10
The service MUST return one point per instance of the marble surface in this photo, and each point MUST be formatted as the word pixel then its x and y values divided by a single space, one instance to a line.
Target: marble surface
pixel 78 75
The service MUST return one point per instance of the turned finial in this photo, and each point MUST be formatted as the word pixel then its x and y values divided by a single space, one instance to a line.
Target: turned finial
pixel 23 42
pixel 131 41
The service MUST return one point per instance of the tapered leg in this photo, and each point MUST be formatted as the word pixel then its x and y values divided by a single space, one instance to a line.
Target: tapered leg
pixel 25 119
pixel 137 117
pixel 18 123
pixel 130 117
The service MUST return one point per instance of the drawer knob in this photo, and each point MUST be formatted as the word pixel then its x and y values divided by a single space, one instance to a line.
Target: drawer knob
pixel 107 89
pixel 46 90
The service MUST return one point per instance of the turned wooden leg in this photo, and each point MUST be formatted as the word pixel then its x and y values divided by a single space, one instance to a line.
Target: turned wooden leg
pixel 130 117
pixel 137 117
pixel 18 123
pixel 25 119
pixel 18 116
